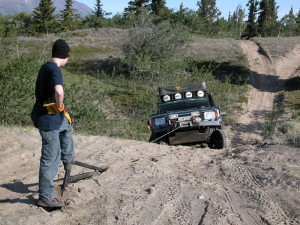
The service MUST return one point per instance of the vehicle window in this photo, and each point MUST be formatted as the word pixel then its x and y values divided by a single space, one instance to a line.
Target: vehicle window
pixel 175 106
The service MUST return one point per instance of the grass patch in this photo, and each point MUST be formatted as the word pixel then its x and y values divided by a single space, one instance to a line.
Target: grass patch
pixel 219 50
pixel 83 52
pixel 277 47
pixel 293 100
pixel 279 126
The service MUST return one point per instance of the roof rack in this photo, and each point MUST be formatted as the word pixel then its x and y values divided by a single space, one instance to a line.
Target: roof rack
pixel 192 90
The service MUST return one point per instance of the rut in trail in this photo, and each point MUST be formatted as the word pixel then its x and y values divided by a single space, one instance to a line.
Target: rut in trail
pixel 267 79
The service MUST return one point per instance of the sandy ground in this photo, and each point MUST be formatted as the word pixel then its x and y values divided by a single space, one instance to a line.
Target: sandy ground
pixel 156 184
pixel 153 184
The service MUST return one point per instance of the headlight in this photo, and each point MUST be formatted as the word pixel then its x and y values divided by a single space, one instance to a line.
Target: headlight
pixel 160 121
pixel 196 113
pixel 173 116
pixel 209 115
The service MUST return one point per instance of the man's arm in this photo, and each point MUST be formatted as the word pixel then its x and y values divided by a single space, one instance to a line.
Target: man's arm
pixel 59 95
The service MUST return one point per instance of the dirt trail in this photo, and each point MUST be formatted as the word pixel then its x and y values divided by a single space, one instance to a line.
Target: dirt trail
pixel 267 79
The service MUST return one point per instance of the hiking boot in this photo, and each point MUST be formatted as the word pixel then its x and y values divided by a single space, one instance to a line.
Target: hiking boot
pixel 49 203
pixel 68 165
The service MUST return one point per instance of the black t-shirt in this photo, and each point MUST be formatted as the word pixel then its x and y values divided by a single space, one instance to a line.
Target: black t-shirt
pixel 49 76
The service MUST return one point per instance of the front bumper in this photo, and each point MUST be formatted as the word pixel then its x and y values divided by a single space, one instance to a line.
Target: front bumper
pixel 187 125
pixel 189 136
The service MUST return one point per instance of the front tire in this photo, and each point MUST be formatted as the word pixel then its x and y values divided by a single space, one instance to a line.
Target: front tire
pixel 218 140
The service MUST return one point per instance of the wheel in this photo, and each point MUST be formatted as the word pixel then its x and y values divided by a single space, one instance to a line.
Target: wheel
pixel 218 140
pixel 152 137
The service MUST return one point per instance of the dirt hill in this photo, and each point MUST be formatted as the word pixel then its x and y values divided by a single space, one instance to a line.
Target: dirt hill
pixel 155 184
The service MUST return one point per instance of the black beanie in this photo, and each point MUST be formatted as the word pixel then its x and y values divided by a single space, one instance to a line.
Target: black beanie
pixel 60 49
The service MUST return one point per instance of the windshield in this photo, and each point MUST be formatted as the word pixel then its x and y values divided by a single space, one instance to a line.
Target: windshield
pixel 182 105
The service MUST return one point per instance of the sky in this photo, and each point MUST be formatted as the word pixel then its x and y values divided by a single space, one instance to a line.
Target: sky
pixel 225 6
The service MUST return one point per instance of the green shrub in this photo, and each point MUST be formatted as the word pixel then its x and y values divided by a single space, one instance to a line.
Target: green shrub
pixel 292 100
pixel 271 121
pixel 17 84
pixel 278 126
pixel 151 45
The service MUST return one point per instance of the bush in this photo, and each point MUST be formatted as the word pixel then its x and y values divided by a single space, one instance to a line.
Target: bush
pixel 17 82
pixel 154 41
pixel 294 133
pixel 292 100
pixel 279 126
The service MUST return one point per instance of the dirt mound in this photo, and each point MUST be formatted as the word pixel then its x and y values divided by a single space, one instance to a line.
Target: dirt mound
pixel 153 184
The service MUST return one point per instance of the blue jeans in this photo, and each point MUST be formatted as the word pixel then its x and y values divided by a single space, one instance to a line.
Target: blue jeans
pixel 56 145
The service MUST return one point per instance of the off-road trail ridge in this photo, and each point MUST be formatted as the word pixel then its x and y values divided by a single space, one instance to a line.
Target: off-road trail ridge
pixel 267 78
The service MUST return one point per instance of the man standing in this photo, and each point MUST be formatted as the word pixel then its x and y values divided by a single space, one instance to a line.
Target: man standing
pixel 54 123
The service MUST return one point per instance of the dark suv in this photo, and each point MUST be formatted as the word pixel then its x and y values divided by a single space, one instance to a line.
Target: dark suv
pixel 187 114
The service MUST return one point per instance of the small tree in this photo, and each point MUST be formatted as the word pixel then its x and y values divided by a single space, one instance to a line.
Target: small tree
pixel 262 17
pixel 267 18
pixel 251 28
pixel 69 16
pixel 98 9
pixel 236 22
pixel 20 23
pixel 298 22
pixel 208 13
pixel 157 6
pixel 208 10
pixel 186 17
pixel 136 7
pixel 98 15
pixel 289 23
pixel 43 18
pixel 272 23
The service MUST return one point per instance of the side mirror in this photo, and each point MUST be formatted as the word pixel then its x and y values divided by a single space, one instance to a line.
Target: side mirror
pixel 223 113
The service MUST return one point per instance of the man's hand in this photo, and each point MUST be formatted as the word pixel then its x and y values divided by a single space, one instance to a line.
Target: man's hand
pixel 52 108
